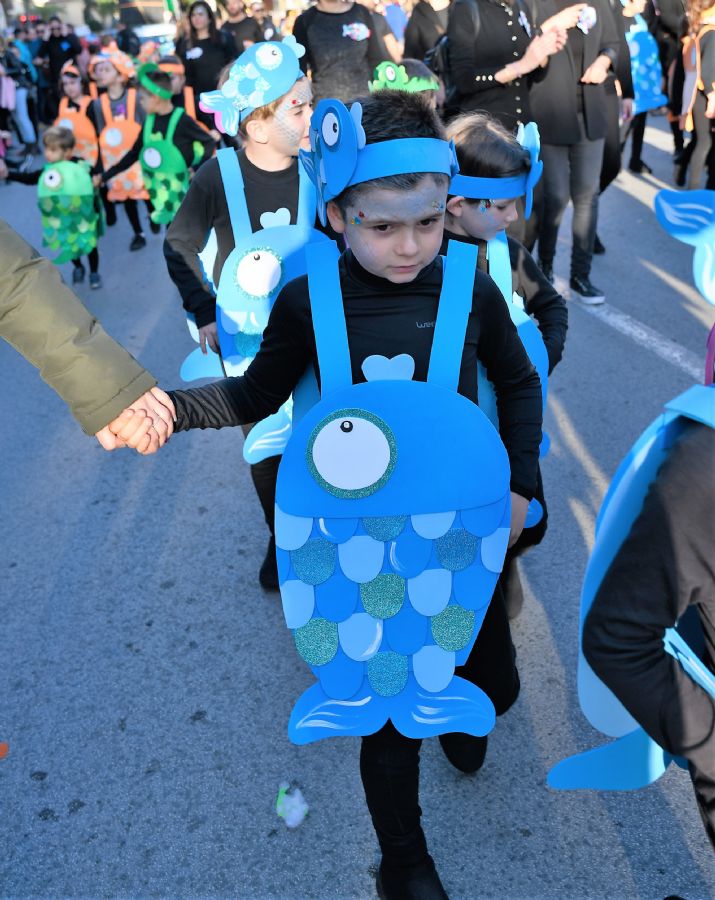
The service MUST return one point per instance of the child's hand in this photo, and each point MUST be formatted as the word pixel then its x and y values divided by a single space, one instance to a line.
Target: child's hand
pixel 97 180
pixel 208 334
pixel 519 506
pixel 146 425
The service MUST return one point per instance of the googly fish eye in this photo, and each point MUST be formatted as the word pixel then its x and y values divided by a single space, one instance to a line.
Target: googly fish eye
pixel 352 453
pixel 330 129
pixel 390 73
pixel 52 179
pixel 151 158
pixel 259 273
pixel 269 57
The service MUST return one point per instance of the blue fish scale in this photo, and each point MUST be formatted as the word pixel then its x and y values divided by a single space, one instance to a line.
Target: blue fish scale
pixel 409 603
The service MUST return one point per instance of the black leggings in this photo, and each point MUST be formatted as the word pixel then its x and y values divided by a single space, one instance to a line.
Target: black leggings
pixel 93 257
pixel 701 152
pixel 264 476
pixel 390 762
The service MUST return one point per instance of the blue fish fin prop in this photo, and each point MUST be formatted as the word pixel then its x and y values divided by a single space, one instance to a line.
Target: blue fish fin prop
pixel 316 716
pixel 686 215
pixel 534 513
pixel 268 438
pixel 201 365
pixel 633 761
pixel 704 271
pixel 461 706
pixel 545 445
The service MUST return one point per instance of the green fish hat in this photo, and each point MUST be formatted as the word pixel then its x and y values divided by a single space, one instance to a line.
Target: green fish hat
pixel 391 77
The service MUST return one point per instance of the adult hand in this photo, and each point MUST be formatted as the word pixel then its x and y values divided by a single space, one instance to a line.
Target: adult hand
pixel 519 506
pixel 710 108
pixel 127 429
pixel 208 334
pixel 597 72
pixel 541 48
pixel 565 19
pixel 626 109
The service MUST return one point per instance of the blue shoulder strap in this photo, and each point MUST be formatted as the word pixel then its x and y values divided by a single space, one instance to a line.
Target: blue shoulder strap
pixel 235 195
pixel 326 303
pixel 500 265
pixel 307 199
pixel 455 304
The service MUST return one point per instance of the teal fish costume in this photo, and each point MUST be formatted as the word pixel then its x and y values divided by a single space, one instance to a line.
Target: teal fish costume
pixel 70 220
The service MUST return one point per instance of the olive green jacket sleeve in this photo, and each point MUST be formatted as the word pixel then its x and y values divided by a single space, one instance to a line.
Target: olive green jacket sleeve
pixel 45 321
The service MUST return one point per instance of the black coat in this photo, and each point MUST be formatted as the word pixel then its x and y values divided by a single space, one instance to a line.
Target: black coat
pixel 423 31
pixel 554 101
pixel 484 37
pixel 621 69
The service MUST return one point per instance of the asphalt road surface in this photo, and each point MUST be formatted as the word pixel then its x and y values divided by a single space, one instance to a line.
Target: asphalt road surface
pixel 146 680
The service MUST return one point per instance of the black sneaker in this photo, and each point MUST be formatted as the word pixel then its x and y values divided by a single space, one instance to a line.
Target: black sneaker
pixel 598 247
pixel 464 751
pixel 95 280
pixel 138 241
pixel 268 573
pixel 589 293
pixel 417 883
pixel 547 269
pixel 155 227
pixel 638 167
pixel 78 274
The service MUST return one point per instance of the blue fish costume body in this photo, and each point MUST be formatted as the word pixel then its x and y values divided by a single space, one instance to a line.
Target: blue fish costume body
pixel 389 545
pixel 500 272
pixel 634 760
pixel 646 70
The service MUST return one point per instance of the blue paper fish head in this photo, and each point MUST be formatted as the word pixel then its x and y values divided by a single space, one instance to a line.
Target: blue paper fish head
pixel 260 75
pixel 689 216
pixel 363 451
pixel 255 271
pixel 336 136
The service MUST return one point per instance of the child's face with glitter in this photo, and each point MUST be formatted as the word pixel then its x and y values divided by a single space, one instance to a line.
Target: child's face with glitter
pixel 482 220
pixel 288 129
pixel 394 233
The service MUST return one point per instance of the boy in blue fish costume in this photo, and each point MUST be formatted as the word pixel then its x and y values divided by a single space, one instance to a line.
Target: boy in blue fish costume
pixel 267 100
pixel 396 498
pixel 496 168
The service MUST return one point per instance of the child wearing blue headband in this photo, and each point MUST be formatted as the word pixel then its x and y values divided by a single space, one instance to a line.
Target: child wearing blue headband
pixel 382 170
pixel 493 167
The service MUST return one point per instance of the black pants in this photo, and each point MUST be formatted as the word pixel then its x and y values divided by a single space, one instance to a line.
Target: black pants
pixel 571 171
pixel 93 257
pixel 390 762
pixel 611 165
pixel 701 152
pixel 637 132
pixel 264 476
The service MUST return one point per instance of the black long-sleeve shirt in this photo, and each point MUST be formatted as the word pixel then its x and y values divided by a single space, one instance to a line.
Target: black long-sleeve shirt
pixel 186 134
pixel 386 319
pixel 541 299
pixel 664 567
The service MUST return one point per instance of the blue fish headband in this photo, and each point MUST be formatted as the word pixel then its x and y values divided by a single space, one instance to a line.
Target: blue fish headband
pixel 516 186
pixel 260 75
pixel 340 156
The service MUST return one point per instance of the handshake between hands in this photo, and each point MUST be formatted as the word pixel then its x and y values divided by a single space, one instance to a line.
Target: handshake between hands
pixel 145 426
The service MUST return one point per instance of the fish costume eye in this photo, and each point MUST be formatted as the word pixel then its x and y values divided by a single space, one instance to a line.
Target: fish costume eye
pixel 390 73
pixel 152 158
pixel 52 179
pixel 259 272
pixel 331 129
pixel 269 57
pixel 352 453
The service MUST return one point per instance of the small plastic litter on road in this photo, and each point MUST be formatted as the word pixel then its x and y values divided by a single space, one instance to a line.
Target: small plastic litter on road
pixel 291 805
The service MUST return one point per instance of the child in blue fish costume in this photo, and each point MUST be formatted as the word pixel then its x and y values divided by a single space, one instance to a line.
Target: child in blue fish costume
pixel 495 168
pixel 232 199
pixel 396 497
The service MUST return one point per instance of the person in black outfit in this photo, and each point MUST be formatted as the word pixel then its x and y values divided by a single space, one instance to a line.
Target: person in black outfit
pixel 244 29
pixel 569 106
pixel 668 25
pixel 383 316
pixel 205 52
pixel 495 54
pixel 425 27
pixel 665 571
pixel 127 41
pixel 58 49
pixel 341 48
pixel 390 47
pixel 264 20
pixel 619 107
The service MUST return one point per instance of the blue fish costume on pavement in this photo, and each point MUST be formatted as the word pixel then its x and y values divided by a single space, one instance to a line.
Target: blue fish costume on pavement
pixel 389 546
pixel 260 75
pixel 645 67
pixel 500 272
pixel 634 760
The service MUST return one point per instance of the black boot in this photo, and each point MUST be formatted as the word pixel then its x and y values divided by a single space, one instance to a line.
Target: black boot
pixel 464 751
pixel 547 267
pixel 268 573
pixel 417 883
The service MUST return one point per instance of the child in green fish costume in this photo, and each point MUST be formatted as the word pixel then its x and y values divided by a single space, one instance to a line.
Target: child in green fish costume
pixel 71 213
pixel 169 146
